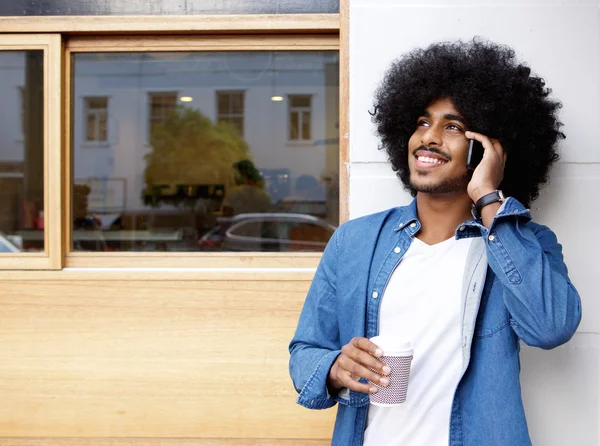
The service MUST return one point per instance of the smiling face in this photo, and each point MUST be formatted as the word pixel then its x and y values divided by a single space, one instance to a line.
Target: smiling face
pixel 437 150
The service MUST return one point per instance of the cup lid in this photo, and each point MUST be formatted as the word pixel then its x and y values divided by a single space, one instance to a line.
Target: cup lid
pixel 391 344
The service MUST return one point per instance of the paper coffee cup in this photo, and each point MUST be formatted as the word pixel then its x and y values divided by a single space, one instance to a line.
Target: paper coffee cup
pixel 397 354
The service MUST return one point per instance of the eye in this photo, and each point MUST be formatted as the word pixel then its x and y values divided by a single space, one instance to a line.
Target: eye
pixel 422 123
pixel 454 129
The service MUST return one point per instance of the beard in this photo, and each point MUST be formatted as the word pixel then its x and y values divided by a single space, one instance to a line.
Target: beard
pixel 444 186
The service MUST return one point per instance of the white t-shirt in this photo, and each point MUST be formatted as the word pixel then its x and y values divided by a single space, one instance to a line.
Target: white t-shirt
pixel 422 304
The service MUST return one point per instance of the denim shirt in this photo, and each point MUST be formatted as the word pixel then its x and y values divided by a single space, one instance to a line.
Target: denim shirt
pixel 515 287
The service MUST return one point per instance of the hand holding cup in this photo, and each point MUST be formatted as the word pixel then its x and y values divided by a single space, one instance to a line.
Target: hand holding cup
pixel 359 359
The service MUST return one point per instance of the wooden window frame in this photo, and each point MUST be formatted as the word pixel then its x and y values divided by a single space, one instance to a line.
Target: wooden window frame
pixel 51 257
pixel 294 40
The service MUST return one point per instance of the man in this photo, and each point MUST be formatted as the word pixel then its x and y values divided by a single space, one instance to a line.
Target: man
pixel 248 196
pixel 463 283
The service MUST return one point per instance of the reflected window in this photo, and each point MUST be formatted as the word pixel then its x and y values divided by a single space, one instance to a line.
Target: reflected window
pixel 160 105
pixel 22 151
pixel 300 117
pixel 96 119
pixel 198 144
pixel 230 109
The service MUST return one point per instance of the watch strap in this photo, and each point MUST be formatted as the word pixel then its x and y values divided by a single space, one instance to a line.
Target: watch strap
pixel 490 198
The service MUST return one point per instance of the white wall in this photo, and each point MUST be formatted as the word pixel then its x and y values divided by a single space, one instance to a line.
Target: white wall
pixel 559 40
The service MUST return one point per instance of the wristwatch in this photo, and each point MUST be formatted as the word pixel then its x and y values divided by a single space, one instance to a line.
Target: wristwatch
pixel 490 198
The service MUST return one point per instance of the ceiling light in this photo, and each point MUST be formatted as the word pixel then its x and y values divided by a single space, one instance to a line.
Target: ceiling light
pixel 277 98
pixel 186 99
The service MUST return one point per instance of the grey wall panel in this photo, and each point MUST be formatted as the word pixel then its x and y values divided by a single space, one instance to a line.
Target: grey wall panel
pixel 158 7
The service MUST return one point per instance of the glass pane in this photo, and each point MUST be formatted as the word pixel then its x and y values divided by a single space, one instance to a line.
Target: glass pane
pixel 223 103
pixel 91 127
pixel 238 124
pixel 306 126
pixel 294 126
pixel 237 103
pixel 159 7
pixel 184 185
pixel 22 151
pixel 102 131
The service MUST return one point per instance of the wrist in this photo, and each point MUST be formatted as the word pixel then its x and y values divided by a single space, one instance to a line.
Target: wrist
pixel 332 383
pixel 481 191
pixel 496 197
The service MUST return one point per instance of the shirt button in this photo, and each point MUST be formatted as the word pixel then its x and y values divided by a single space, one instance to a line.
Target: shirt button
pixel 397 250
pixel 462 228
pixel 375 294
pixel 413 225
pixel 491 238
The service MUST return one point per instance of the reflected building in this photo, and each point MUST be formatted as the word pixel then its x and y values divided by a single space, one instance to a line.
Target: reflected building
pixel 284 105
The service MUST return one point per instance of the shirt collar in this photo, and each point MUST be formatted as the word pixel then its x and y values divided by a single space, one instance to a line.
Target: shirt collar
pixel 409 218
pixel 409 221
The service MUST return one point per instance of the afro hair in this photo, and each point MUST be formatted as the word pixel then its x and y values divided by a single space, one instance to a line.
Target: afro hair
pixel 496 95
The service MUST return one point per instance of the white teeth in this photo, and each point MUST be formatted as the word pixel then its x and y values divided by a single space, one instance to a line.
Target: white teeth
pixel 426 159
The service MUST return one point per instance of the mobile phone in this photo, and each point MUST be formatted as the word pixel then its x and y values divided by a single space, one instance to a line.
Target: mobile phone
pixel 475 154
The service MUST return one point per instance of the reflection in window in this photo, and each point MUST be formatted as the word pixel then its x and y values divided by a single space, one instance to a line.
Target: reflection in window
pixel 273 232
pixel 230 109
pixel 96 115
pixel 300 112
pixel 199 144
pixel 22 151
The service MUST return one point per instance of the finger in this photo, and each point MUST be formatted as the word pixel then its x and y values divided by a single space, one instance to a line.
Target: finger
pixel 361 371
pixel 490 146
pixel 366 358
pixel 356 371
pixel 347 381
pixel 484 140
pixel 370 362
pixel 365 345
pixel 498 148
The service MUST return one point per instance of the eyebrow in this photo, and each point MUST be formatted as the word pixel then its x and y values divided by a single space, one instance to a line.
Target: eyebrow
pixel 448 116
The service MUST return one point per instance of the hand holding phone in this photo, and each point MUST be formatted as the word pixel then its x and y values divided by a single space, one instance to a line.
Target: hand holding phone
pixel 475 154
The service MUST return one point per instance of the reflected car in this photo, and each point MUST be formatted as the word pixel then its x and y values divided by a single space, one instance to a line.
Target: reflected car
pixel 6 246
pixel 270 232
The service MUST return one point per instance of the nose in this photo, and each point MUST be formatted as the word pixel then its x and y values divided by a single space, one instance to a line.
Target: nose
pixel 432 136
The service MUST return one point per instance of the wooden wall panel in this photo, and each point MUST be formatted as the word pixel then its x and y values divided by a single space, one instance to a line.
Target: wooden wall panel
pixel 203 359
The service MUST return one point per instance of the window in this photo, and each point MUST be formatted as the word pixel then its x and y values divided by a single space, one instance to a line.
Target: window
pixel 96 119
pixel 300 117
pixel 230 109
pixel 161 104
